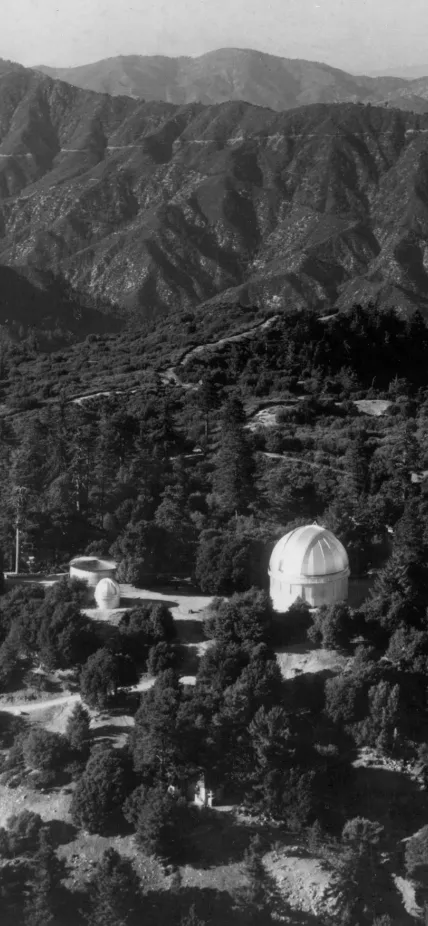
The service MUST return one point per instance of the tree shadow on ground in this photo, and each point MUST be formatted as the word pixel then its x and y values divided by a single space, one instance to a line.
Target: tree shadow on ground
pixel 103 629
pixel 60 832
pixel 220 839
pixel 297 648
pixel 390 797
pixel 190 630
pixel 132 603
pixel 109 731
pixel 220 908
pixel 10 726
pixel 187 660
pixel 306 692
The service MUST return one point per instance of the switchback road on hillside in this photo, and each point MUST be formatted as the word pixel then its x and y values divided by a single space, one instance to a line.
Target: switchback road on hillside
pixel 31 707
pixel 170 373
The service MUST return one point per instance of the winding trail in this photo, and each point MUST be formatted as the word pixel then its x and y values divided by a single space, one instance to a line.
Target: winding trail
pixel 296 459
pixel 31 707
pixel 167 376
pixel 170 374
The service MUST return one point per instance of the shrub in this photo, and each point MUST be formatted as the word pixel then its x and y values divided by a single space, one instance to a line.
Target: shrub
pixel 43 750
pixel 245 618
pixel 77 730
pixel 417 854
pixel 333 626
pixel 162 821
pixel 21 835
pixel 65 637
pixel 114 891
pixel 161 657
pixel 226 563
pixel 102 675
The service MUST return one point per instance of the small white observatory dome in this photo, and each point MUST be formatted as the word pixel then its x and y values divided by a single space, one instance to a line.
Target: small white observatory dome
pixel 308 563
pixel 107 594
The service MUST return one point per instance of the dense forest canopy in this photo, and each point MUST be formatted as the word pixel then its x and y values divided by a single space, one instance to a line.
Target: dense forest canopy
pixel 191 463
pixel 168 468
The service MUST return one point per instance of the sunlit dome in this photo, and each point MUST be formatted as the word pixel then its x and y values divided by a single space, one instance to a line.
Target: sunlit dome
pixel 107 594
pixel 309 563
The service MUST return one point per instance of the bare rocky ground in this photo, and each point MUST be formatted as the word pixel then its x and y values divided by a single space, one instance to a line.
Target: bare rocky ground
pixel 303 883
pixel 374 407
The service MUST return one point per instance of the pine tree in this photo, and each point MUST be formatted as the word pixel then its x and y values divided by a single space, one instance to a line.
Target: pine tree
pixel 254 896
pixel 77 730
pixel 409 532
pixel 192 919
pixel 99 678
pixel 47 872
pixel 384 707
pixel 156 741
pixel 407 458
pixel 162 822
pixel 234 465
pixel 357 466
pixel 114 892
pixel 100 792
pixel 207 398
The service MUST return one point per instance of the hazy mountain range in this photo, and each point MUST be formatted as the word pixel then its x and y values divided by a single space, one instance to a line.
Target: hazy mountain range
pixel 407 71
pixel 142 207
pixel 240 74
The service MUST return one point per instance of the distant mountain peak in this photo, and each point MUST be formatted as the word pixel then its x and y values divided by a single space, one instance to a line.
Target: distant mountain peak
pixel 239 73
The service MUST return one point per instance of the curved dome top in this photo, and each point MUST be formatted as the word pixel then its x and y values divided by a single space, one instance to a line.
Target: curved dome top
pixel 308 552
pixel 107 588
pixel 92 564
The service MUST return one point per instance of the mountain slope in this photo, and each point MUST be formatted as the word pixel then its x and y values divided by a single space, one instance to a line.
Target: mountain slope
pixel 148 207
pixel 237 74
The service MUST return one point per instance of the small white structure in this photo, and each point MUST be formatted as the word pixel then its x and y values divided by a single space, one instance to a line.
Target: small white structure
pixel 308 563
pixel 203 796
pixel 92 569
pixel 107 594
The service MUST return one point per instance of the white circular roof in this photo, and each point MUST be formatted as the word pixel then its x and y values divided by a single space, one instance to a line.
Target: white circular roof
pixel 107 588
pixel 307 552
pixel 92 564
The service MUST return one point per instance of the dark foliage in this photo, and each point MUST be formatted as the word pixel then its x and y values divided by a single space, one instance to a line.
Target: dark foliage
pixel 100 792
pixel 103 674
pixel 114 892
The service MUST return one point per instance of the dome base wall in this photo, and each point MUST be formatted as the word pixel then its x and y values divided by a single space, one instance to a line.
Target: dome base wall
pixel 316 594
pixel 91 578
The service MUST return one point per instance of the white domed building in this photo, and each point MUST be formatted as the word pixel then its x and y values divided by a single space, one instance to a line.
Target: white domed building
pixel 91 569
pixel 107 594
pixel 308 563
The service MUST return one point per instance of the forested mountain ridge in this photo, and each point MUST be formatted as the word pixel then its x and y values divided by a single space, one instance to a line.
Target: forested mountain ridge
pixel 147 207
pixel 240 74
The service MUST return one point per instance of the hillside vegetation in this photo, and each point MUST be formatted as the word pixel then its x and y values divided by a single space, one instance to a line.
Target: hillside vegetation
pixel 323 758
pixel 139 208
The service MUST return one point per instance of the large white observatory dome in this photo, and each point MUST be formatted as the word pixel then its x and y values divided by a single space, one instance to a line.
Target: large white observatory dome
pixel 308 563
pixel 107 594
